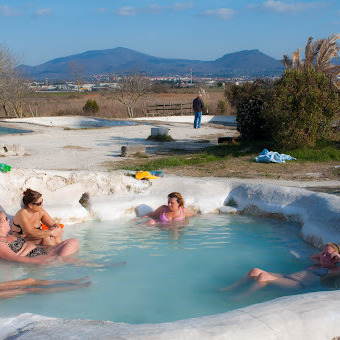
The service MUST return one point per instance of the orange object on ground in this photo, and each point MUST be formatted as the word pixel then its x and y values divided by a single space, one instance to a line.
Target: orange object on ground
pixel 45 227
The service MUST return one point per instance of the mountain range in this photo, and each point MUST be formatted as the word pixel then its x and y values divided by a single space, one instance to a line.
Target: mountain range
pixel 251 63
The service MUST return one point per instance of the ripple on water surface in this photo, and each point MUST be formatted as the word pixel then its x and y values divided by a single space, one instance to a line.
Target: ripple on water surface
pixel 171 273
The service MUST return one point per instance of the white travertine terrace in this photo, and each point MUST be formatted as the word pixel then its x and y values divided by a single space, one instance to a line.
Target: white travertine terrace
pixel 117 195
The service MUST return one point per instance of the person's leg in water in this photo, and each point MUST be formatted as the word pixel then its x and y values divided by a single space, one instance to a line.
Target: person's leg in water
pixel 34 282
pixel 25 286
pixel 27 290
pixel 263 278
pixel 65 248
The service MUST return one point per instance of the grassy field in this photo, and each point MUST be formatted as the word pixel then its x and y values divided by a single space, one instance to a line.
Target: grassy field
pixel 238 160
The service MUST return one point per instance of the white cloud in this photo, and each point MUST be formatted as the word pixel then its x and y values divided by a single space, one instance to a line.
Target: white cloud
pixel 220 13
pixel 43 12
pixel 153 9
pixel 127 11
pixel 100 10
pixel 290 7
pixel 181 6
pixel 6 11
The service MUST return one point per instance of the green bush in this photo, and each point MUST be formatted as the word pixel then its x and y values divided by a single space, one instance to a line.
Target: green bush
pixel 301 109
pixel 161 138
pixel 249 101
pixel 91 106
pixel 222 107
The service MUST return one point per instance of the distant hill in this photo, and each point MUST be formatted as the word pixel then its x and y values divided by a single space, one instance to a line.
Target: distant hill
pixel 118 60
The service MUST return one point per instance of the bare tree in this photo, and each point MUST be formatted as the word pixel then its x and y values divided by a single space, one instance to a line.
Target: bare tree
pixel 131 88
pixel 319 55
pixel 77 73
pixel 13 86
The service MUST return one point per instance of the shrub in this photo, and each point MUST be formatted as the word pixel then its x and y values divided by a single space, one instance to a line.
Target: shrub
pixel 301 109
pixel 161 138
pixel 249 101
pixel 222 107
pixel 91 106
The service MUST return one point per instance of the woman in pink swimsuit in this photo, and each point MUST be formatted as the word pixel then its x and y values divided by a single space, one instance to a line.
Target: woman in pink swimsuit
pixel 172 212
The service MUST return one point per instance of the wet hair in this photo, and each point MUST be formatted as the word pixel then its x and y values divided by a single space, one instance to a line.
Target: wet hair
pixel 178 197
pixel 30 196
pixel 334 246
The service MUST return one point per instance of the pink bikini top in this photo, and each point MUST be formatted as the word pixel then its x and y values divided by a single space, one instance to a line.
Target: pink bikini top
pixel 163 218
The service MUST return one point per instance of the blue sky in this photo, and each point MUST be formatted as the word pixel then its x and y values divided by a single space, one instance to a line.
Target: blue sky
pixel 41 30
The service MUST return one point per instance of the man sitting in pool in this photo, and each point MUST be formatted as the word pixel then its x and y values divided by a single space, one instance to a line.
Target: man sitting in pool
pixel 325 267
pixel 172 212
pixel 28 221
pixel 17 249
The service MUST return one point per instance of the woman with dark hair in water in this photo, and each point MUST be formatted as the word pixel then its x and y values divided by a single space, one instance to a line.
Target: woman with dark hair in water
pixel 17 249
pixel 28 221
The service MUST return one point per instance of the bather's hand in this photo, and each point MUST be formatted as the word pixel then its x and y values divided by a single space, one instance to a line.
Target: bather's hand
pixel 56 231
pixel 335 255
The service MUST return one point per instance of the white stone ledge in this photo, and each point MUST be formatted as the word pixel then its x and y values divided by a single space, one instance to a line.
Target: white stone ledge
pixel 313 316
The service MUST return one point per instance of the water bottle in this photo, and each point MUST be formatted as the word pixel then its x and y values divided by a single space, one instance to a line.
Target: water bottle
pixel 4 167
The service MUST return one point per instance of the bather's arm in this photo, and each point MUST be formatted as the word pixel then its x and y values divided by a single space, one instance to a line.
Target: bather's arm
pixel 6 253
pixel 156 213
pixel 316 258
pixel 35 233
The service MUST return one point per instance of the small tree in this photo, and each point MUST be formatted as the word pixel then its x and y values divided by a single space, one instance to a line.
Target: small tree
pixel 222 107
pixel 301 109
pixel 249 100
pixel 131 88
pixel 13 86
pixel 91 107
pixel 77 73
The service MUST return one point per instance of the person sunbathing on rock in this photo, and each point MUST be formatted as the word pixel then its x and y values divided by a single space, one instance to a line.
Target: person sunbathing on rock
pixel 325 267
pixel 28 222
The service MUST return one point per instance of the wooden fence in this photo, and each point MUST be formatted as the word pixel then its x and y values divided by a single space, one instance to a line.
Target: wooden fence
pixel 169 109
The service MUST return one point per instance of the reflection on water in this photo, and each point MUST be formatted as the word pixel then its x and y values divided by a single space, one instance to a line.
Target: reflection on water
pixel 171 273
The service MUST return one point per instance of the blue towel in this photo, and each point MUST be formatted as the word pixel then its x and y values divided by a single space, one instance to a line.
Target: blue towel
pixel 273 157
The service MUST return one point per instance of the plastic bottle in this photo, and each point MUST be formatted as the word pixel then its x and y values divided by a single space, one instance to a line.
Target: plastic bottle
pixel 4 167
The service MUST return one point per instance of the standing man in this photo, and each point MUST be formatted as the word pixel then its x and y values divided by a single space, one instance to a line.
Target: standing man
pixel 198 107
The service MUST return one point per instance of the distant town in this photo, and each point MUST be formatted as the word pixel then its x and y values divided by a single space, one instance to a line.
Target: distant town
pixel 104 82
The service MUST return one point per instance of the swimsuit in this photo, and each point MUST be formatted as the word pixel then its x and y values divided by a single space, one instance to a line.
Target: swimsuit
pixel 17 244
pixel 293 278
pixel 319 271
pixel 163 218
pixel 20 232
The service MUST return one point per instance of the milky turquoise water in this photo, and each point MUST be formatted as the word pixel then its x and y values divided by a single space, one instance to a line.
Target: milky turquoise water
pixel 170 273
pixel 11 131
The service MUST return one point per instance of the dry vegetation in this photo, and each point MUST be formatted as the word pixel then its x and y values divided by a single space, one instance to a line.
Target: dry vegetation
pixel 60 104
